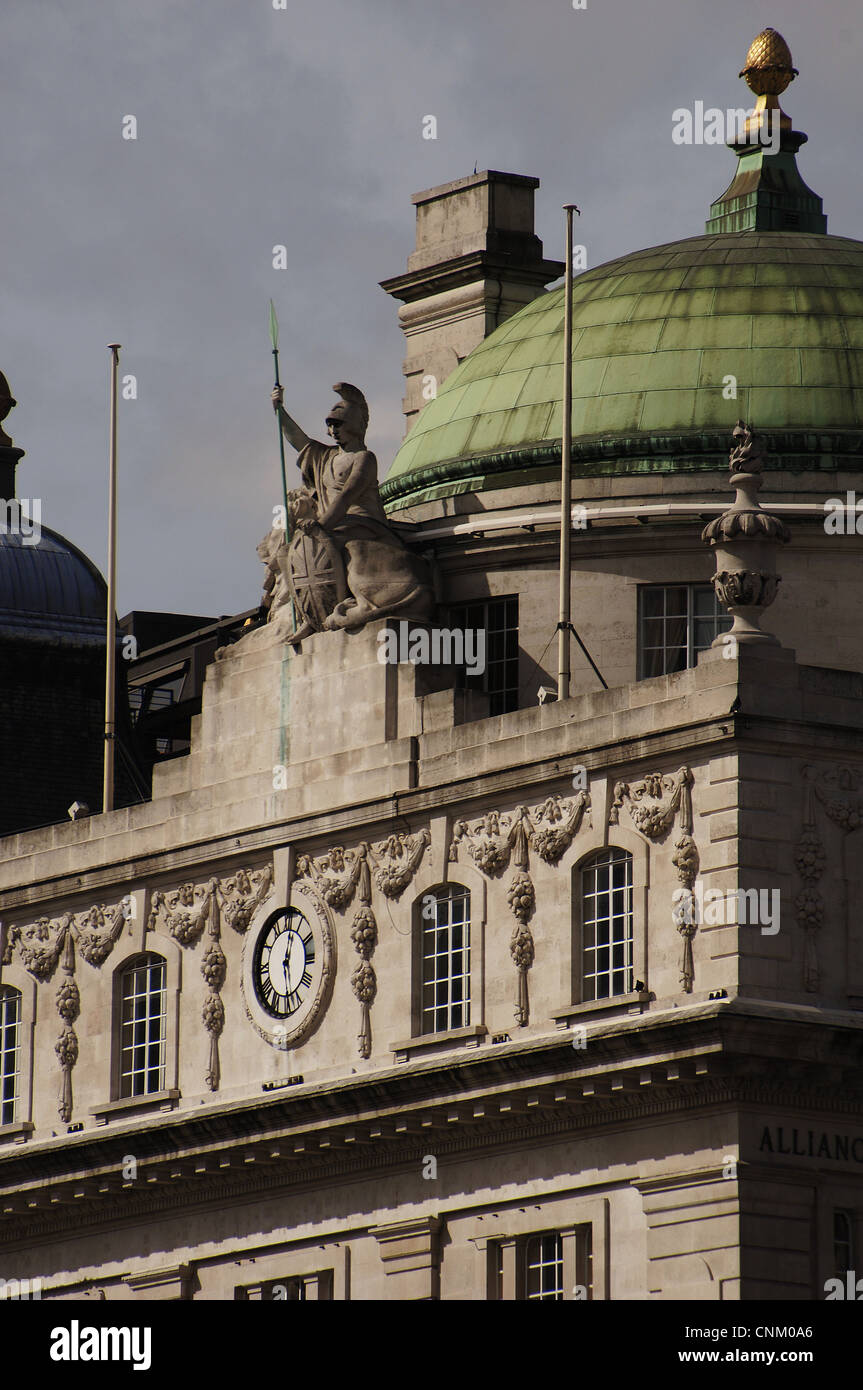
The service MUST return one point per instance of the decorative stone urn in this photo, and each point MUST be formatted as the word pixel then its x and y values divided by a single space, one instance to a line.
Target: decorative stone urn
pixel 745 539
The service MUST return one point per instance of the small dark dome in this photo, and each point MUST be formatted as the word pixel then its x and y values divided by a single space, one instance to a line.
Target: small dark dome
pixel 50 592
pixel 53 606
pixel 53 620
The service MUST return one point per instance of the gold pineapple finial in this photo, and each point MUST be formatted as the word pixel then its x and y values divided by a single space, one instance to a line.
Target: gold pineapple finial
pixel 768 71
pixel 768 68
pixel 767 193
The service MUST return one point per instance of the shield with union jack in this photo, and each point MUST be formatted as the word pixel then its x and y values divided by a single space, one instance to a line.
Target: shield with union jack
pixel 316 575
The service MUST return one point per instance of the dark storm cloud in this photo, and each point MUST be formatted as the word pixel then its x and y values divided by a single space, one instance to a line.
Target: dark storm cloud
pixel 303 127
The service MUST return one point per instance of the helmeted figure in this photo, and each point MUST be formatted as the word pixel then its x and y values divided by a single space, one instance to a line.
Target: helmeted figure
pixel 345 564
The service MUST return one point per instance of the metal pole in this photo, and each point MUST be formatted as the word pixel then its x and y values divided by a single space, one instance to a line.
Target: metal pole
pixel 274 338
pixel 111 636
pixel 274 335
pixel 564 623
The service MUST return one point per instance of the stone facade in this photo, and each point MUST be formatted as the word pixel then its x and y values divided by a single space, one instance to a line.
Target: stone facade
pixel 393 992
pixel 688 1137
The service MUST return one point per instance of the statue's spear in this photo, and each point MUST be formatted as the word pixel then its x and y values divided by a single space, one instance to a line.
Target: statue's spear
pixel 274 338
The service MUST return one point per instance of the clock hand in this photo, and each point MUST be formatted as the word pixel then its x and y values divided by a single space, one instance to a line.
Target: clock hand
pixel 287 963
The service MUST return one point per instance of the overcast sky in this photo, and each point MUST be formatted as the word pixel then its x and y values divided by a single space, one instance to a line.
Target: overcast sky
pixel 304 127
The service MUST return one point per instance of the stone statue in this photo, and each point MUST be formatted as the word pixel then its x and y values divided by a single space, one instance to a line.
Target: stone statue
pixel 276 594
pixel 7 403
pixel 345 565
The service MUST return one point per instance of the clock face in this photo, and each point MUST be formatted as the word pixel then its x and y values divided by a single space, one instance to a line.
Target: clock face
pixel 284 963
pixel 289 964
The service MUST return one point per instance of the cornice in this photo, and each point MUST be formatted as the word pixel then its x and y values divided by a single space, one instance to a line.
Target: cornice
pixel 377 815
pixel 688 1063
pixel 508 263
pixel 695 451
pixel 744 731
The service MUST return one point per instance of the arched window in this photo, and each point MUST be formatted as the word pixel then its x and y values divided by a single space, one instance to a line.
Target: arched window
pixel 445 960
pixel 143 1001
pixel 606 925
pixel 10 1052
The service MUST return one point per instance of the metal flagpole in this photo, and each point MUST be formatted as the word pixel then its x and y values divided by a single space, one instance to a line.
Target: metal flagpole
pixel 564 623
pixel 111 634
pixel 274 339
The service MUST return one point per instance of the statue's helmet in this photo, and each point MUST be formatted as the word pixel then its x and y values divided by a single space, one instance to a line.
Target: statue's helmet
pixel 352 406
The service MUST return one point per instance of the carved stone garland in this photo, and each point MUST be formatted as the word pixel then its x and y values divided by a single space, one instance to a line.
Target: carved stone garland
pixel 341 874
pixel 45 942
pixel 837 791
pixel 68 1007
pixel 654 803
pixel 184 910
pixel 685 861
pixel 495 839
pixel 187 910
pixel 242 894
pixel 97 929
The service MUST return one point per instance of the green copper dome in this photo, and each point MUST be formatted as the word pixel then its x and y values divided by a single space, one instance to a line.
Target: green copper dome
pixel 656 335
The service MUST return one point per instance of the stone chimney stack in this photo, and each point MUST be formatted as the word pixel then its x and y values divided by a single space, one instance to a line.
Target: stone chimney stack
pixel 477 262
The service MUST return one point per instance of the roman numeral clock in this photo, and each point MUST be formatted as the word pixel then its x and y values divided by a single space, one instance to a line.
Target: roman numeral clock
pixel 289 963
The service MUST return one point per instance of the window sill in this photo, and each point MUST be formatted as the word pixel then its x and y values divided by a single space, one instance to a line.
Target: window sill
pixel 16 1133
pixel 111 1109
pixel 633 1003
pixel 430 1042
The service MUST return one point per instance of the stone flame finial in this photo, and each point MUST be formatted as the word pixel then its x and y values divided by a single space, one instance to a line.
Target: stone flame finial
pixel 745 538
